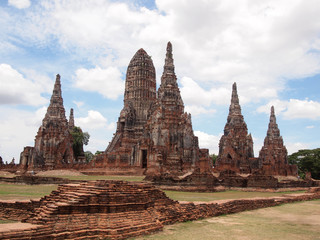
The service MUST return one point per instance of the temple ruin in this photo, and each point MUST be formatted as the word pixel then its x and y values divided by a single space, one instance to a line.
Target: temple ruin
pixel 153 131
pixel 53 142
pixel 139 95
pixel 235 146
pixel 273 154
pixel 169 144
pixel 154 134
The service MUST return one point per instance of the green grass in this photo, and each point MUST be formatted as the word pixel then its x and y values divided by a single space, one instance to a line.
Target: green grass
pixel 206 197
pixel 23 192
pixel 6 221
pixel 286 222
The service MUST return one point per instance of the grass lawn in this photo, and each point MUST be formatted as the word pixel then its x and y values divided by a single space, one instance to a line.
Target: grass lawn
pixel 6 221
pixel 24 192
pixel 286 222
pixel 206 197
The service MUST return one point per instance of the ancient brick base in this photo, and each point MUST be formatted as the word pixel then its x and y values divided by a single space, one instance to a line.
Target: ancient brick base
pixel 117 210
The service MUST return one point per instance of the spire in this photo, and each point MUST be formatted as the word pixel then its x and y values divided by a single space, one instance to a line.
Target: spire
pixel 168 91
pixel 272 115
pixel 71 119
pixel 56 97
pixel 273 130
pixel 234 106
pixel 168 76
pixel 56 109
pixel 169 66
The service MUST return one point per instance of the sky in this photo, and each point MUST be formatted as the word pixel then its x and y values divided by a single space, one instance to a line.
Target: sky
pixel 270 48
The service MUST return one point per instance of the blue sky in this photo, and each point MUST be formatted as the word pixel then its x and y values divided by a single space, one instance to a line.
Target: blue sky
pixel 271 48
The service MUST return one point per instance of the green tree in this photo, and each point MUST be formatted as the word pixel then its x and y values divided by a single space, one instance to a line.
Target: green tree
pixel 213 158
pixel 307 160
pixel 98 152
pixel 89 155
pixel 79 138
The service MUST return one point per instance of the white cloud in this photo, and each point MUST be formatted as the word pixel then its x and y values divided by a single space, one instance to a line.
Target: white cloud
pixel 198 110
pixel 19 3
pixel 99 129
pixel 294 109
pixel 208 141
pixel 258 44
pixel 94 120
pixel 310 127
pixel 107 81
pixel 302 109
pixel 43 81
pixel 295 147
pixel 78 103
pixel 15 89
pixel 18 129
pixel 193 94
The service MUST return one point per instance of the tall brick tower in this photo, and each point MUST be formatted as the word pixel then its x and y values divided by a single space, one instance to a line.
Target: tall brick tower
pixel 235 146
pixel 139 96
pixel 53 142
pixel 169 145
pixel 273 154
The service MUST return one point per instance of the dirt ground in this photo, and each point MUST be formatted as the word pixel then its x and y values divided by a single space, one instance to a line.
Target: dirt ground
pixel 16 226
pixel 6 174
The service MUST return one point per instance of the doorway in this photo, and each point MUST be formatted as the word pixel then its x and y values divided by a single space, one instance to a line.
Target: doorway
pixel 144 158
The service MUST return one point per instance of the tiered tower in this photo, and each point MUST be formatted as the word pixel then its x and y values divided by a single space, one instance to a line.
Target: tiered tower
pixel 53 142
pixel 236 146
pixel 273 154
pixel 169 145
pixel 139 96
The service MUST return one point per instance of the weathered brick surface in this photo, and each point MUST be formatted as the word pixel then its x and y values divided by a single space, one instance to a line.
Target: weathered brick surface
pixel 273 154
pixel 17 210
pixel 118 210
pixel 169 144
pixel 153 131
pixel 235 146
pixel 139 95
pixel 53 142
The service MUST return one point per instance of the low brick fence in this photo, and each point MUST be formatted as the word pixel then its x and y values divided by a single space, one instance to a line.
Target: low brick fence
pixel 31 180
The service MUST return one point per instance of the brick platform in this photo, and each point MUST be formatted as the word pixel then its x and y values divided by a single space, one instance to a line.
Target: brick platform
pixel 116 210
